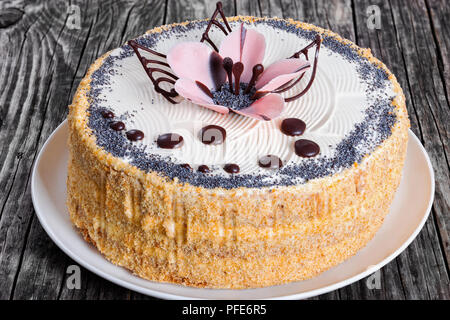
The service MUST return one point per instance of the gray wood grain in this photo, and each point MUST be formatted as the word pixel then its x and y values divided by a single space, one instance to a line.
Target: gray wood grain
pixel 439 15
pixel 43 58
pixel 403 43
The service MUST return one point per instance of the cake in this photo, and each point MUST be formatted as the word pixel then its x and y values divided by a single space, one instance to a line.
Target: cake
pixel 234 152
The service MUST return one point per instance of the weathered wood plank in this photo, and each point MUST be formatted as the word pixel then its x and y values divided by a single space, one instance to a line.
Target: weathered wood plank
pixel 183 10
pixel 45 60
pixel 403 43
pixel 248 8
pixel 433 110
pixel 270 8
pixel 42 268
pixel 439 13
pixel 25 100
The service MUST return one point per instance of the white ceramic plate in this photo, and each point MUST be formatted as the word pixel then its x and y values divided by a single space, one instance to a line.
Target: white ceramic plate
pixel 408 214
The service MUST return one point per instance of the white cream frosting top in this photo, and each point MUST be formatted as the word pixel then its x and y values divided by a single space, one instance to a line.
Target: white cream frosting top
pixel 335 104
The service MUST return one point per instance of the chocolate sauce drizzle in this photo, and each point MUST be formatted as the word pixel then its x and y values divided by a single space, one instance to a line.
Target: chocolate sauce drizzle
pixel 204 88
pixel 171 78
pixel 317 42
pixel 214 21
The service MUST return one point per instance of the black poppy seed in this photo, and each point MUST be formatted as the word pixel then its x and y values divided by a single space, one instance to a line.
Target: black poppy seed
pixel 228 99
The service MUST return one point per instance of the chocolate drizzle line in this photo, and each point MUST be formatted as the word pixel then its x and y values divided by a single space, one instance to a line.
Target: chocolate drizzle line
pixel 171 78
pixel 204 88
pixel 214 21
pixel 317 42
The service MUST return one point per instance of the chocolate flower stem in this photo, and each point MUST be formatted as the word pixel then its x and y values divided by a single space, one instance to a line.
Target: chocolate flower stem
pixel 257 71
pixel 228 66
pixel 238 68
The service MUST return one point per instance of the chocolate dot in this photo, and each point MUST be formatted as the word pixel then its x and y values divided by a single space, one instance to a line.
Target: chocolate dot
pixel 107 114
pixel 170 141
pixel 117 125
pixel 306 148
pixel 186 166
pixel 293 127
pixel 203 168
pixel 135 135
pixel 270 161
pixel 212 134
pixel 231 168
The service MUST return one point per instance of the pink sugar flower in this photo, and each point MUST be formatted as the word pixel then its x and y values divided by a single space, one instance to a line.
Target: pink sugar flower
pixel 234 78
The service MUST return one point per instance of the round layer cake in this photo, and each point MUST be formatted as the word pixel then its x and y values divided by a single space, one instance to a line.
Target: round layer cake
pixel 213 213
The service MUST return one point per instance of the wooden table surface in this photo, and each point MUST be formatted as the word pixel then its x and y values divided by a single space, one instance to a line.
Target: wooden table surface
pixel 47 46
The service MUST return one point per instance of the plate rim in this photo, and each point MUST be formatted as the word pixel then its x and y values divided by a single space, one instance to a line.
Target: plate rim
pixel 164 295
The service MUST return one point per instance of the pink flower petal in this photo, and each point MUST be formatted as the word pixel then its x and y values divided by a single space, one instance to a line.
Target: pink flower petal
pixel 268 107
pixel 281 72
pixel 231 46
pixel 215 107
pixel 188 89
pixel 244 45
pixel 197 61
